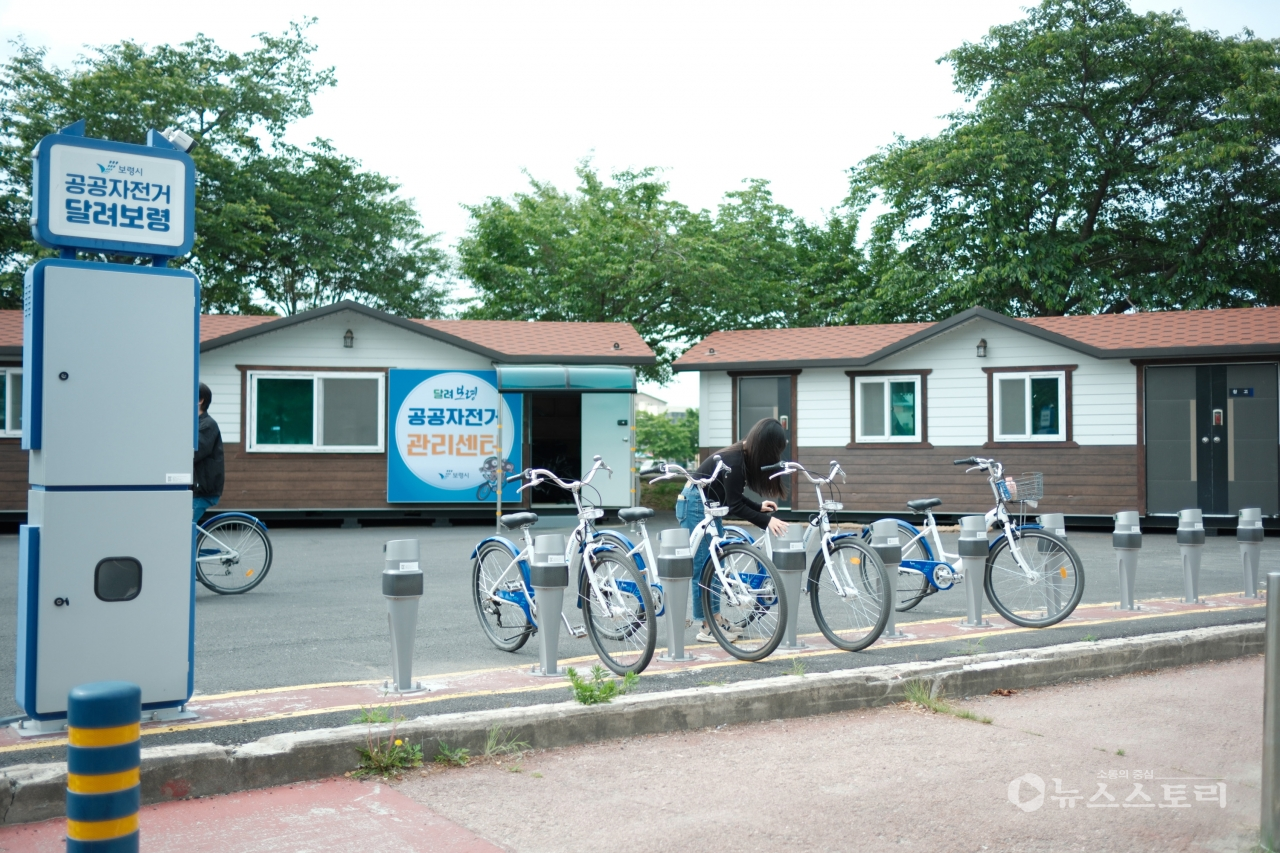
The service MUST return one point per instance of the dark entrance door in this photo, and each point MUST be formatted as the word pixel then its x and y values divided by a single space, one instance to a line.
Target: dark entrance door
pixel 762 397
pixel 555 442
pixel 1211 438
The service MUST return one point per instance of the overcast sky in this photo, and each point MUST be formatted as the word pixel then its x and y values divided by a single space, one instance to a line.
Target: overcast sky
pixel 455 100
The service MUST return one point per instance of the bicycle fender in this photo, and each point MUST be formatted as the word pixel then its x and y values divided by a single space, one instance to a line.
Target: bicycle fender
pixel 996 541
pixel 222 515
pixel 735 530
pixel 638 556
pixel 501 540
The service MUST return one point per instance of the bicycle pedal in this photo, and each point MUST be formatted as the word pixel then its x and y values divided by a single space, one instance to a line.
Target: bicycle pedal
pixel 578 631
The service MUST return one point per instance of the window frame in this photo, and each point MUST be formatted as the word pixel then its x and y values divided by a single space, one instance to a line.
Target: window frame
pixel 250 433
pixel 9 373
pixel 1061 372
pixel 920 440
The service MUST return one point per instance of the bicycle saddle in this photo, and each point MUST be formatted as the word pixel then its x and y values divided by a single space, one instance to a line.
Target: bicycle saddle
pixel 512 520
pixel 924 503
pixel 635 513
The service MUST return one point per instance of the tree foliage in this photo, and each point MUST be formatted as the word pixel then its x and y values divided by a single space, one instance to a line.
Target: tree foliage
pixel 623 250
pixel 674 439
pixel 1110 161
pixel 342 232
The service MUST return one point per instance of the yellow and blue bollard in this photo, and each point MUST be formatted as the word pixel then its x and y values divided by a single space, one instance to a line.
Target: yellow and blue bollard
pixel 104 759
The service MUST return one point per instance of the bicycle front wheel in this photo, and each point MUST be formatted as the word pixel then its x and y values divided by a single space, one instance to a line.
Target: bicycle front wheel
pixel 912 586
pixel 748 614
pixel 232 555
pixel 850 595
pixel 617 540
pixel 621 621
pixel 500 606
pixel 1042 593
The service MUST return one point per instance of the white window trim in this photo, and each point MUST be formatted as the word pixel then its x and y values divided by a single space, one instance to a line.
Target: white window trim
pixel 317 402
pixel 8 431
pixel 886 438
pixel 1026 377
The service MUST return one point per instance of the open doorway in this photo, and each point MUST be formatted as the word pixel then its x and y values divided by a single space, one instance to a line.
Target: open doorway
pixel 555 442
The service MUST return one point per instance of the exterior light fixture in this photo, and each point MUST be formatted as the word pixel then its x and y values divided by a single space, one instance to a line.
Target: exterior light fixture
pixel 982 348
pixel 349 339
pixel 617 345
pixel 711 351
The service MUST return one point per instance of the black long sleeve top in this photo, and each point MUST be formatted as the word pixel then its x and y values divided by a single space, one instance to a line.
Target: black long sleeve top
pixel 729 489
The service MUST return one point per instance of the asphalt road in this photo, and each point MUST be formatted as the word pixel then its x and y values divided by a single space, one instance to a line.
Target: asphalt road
pixel 320 617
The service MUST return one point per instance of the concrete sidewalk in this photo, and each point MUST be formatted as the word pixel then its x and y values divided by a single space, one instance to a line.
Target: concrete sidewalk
pixel 1178 752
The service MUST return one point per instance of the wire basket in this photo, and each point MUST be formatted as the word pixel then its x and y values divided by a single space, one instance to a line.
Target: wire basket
pixel 1025 487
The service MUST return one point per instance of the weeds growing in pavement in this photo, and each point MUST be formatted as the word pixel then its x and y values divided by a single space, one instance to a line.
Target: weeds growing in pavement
pixel 598 690
pixel 921 693
pixel 1089 638
pixel 797 667
pixel 1120 752
pixel 386 757
pixel 453 757
pixel 372 715
pixel 498 743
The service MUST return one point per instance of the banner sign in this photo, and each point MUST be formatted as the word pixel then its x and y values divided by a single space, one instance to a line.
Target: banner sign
pixel 98 195
pixel 452 438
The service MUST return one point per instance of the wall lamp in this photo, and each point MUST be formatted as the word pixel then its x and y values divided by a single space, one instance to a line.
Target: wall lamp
pixel 349 339
pixel 982 348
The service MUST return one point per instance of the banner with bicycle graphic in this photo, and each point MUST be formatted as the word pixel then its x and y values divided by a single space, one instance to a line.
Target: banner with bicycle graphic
pixel 452 437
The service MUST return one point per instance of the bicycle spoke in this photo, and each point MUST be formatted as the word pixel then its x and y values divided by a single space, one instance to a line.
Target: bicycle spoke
pixel 619 612
pixel 850 598
pixel 1048 593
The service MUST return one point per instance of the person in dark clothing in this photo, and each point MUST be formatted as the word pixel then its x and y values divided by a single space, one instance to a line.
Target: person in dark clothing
pixel 763 446
pixel 208 475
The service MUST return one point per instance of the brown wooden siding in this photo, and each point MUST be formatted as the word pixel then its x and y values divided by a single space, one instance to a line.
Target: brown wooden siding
pixel 304 480
pixel 13 475
pixel 1088 480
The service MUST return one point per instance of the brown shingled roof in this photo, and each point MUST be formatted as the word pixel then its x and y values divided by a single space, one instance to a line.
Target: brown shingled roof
pixel 835 343
pixel 216 325
pixel 547 339
pixel 1169 329
pixel 10 328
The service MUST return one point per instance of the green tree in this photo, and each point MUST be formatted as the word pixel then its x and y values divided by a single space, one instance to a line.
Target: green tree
pixel 674 439
pixel 1110 160
pixel 252 191
pixel 623 250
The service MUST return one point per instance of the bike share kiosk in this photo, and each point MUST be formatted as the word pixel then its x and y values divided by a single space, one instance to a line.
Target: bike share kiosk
pixel 549 576
pixel 1127 541
pixel 675 570
pixel 1249 534
pixel 106 559
pixel 789 558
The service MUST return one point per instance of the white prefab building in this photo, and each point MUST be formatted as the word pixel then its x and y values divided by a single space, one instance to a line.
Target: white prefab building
pixel 1156 412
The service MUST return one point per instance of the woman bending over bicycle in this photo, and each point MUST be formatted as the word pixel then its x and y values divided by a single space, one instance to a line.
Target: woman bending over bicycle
pixel 762 447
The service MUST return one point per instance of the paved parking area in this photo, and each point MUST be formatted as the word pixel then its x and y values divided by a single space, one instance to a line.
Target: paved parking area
pixel 319 617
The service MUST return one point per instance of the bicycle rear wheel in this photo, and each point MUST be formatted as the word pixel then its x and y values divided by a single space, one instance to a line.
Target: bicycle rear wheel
pixel 501 615
pixel 912 586
pixel 619 612
pixel 754 607
pixel 1046 595
pixel 232 555
pixel 852 607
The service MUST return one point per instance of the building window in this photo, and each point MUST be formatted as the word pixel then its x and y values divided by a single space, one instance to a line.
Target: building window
pixel 1030 407
pixel 11 402
pixel 294 412
pixel 888 408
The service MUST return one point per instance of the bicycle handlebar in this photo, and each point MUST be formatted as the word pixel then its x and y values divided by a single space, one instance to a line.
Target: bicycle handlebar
pixel 796 468
pixel 539 475
pixel 968 461
pixel 670 471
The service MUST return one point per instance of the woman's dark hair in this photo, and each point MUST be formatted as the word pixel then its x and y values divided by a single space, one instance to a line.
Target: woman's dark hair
pixel 206 396
pixel 764 445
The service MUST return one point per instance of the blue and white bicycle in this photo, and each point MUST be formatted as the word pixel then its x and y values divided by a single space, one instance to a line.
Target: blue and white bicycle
pixel 613 594
pixel 233 553
pixel 1033 578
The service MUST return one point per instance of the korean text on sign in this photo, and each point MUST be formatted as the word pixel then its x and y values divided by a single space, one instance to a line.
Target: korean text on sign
pixel 151 213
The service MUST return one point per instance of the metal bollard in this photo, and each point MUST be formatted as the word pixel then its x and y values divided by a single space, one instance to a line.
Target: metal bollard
pixel 1270 829
pixel 1191 544
pixel 973 559
pixel 789 558
pixel 548 575
pixel 1249 534
pixel 887 542
pixel 402 587
pixel 1127 541
pixel 675 570
pixel 104 758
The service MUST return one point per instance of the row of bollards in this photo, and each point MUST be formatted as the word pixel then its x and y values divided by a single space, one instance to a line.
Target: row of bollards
pixel 1127 542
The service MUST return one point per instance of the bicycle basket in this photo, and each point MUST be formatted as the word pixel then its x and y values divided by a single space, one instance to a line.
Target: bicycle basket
pixel 1025 487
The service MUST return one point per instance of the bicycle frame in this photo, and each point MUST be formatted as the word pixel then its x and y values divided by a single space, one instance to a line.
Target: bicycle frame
pixel 232 553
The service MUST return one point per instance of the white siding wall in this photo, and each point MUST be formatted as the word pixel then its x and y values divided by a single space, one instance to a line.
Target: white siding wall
pixel 318 344
pixel 1104 392
pixel 715 415
pixel 822 397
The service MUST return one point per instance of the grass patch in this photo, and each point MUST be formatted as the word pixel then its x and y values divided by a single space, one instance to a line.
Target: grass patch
pixel 1089 638
pixel 499 743
pixel 920 693
pixel 372 715
pixel 599 689
pixel 388 756
pixel 1120 752
pixel 459 757
pixel 797 667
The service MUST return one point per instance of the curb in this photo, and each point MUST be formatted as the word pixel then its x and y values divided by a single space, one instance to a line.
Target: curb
pixel 31 792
